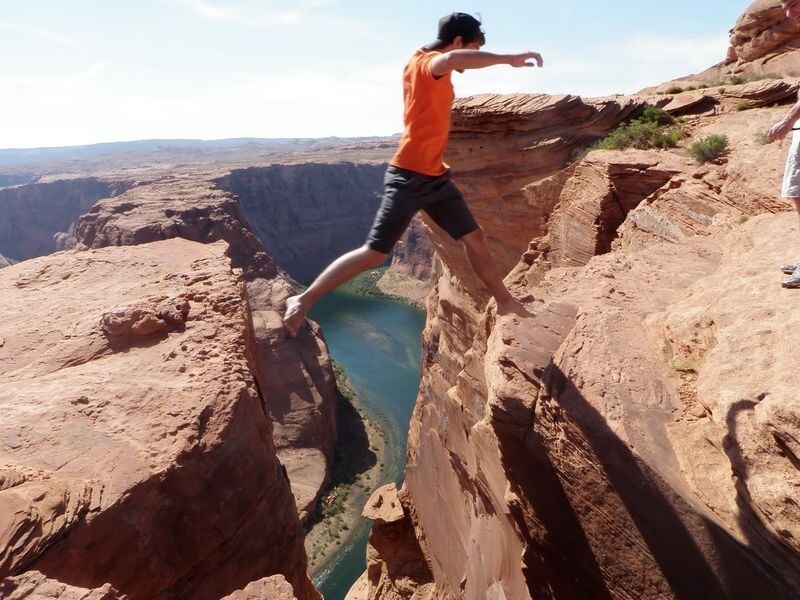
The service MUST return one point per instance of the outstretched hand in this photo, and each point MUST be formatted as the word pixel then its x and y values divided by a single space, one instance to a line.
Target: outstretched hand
pixel 526 59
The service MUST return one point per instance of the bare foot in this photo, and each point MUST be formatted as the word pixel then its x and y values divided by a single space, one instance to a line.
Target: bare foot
pixel 512 306
pixel 295 315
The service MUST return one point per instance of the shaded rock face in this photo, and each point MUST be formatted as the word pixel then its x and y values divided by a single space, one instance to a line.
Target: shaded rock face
pixel 414 254
pixel 634 440
pixel 308 215
pixel 38 219
pixel 396 567
pixel 136 449
pixel 295 378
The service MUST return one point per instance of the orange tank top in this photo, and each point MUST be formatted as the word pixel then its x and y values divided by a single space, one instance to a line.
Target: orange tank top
pixel 428 102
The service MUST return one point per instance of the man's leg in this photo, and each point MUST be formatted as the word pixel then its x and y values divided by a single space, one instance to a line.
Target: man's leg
pixel 340 271
pixel 794 280
pixel 482 263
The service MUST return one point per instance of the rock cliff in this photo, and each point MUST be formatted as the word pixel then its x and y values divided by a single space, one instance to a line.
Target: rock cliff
pixel 762 43
pixel 36 219
pixel 307 215
pixel 298 384
pixel 133 419
pixel 638 438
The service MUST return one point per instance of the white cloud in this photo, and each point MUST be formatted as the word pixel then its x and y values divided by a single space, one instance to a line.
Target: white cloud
pixel 42 33
pixel 280 12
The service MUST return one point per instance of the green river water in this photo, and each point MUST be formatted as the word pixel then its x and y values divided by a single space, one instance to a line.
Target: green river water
pixel 377 342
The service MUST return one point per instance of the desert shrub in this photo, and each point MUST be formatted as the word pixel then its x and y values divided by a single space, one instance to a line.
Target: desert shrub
pixel 738 80
pixel 762 139
pixel 674 90
pixel 708 148
pixel 653 128
pixel 743 105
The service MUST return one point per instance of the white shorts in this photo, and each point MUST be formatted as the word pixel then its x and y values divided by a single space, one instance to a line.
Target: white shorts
pixel 791 177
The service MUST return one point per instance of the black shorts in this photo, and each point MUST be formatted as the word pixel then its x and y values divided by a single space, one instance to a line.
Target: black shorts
pixel 406 192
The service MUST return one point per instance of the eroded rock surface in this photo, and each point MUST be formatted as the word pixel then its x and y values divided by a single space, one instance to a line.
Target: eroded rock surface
pixel 133 421
pixel 294 375
pixel 269 588
pixel 636 438
pixel 32 585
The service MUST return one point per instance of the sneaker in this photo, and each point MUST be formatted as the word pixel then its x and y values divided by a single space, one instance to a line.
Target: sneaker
pixel 789 269
pixel 793 282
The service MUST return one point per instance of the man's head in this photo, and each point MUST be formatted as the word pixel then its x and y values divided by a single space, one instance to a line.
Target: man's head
pixel 792 9
pixel 459 30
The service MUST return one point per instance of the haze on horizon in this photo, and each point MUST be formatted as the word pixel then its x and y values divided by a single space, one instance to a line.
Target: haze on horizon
pixel 74 73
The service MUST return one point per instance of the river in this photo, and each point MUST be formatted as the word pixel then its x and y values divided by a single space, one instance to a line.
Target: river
pixel 377 342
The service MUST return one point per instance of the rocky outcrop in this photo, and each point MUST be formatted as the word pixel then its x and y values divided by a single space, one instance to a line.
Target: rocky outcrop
pixel 35 219
pixel 763 43
pixel 308 215
pixel 269 588
pixel 298 383
pixel 35 586
pixel 396 568
pixel 136 450
pixel 414 254
pixel 636 438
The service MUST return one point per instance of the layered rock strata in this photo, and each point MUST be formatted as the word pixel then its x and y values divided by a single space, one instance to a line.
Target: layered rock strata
pixel 36 219
pixel 130 386
pixel 297 382
pixel 637 438
pixel 307 215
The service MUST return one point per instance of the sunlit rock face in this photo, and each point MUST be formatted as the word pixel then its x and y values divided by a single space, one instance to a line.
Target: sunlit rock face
pixel 137 451
pixel 636 439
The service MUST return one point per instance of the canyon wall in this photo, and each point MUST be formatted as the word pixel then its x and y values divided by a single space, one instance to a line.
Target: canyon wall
pixel 37 219
pixel 136 448
pixel 638 437
pixel 307 215
pixel 298 384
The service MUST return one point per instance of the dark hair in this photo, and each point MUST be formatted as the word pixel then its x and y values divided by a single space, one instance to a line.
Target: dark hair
pixel 457 25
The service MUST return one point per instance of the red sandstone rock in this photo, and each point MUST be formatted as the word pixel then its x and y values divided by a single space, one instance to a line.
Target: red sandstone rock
pixel 635 439
pixel 133 421
pixel 396 568
pixel 35 586
pixel 269 588
pixel 295 376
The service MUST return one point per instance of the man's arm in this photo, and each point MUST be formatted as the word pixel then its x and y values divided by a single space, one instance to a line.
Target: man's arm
pixel 458 60
pixel 784 126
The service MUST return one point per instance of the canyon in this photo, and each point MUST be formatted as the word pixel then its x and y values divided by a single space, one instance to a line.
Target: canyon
pixel 638 438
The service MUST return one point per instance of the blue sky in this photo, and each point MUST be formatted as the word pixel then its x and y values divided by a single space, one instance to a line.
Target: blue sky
pixel 87 71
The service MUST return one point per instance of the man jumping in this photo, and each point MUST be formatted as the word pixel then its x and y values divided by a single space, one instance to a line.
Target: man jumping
pixel 417 178
pixel 791 178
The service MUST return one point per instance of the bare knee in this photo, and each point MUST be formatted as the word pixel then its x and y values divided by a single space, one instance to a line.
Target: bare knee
pixel 473 239
pixel 373 258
